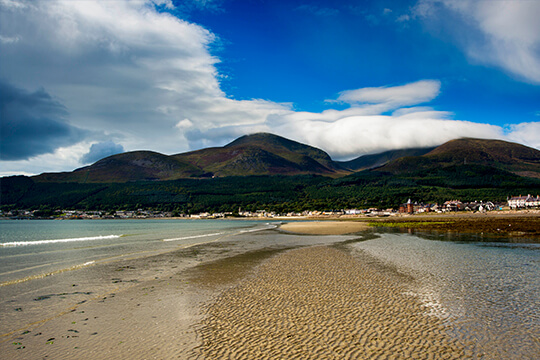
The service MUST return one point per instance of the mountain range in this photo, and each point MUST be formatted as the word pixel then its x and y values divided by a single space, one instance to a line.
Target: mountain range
pixel 265 171
pixel 268 154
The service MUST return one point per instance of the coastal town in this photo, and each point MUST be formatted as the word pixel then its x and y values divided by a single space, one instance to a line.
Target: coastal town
pixel 514 203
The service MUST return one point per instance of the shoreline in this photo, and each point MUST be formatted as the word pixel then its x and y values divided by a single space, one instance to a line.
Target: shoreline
pixel 457 214
pixel 522 227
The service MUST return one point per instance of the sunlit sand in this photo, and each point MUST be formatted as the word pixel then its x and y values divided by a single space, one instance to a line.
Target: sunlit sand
pixel 324 227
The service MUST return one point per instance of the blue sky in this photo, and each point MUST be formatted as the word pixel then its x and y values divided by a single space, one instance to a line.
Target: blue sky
pixel 293 51
pixel 82 80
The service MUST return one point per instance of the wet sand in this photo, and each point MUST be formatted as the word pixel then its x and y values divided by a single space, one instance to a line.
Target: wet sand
pixel 324 227
pixel 519 225
pixel 322 303
pixel 266 295
pixel 146 308
pixel 137 309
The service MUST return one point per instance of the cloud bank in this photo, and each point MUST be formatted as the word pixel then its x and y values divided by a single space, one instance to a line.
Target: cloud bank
pixel 502 33
pixel 101 150
pixel 33 123
pixel 364 128
pixel 129 75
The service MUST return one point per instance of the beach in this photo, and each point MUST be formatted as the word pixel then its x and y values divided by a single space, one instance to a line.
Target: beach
pixel 322 303
pixel 147 307
pixel 302 291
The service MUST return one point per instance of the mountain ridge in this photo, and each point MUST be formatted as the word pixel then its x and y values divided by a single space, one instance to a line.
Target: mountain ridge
pixel 269 154
pixel 262 154
pixel 503 155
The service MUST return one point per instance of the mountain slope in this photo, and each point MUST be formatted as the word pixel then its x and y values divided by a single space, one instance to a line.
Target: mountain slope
pixel 515 158
pixel 465 169
pixel 257 154
pixel 365 162
pixel 288 149
pixel 263 154
pixel 126 167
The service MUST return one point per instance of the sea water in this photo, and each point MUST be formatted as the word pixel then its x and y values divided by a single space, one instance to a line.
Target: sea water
pixel 34 248
pixel 48 268
pixel 488 292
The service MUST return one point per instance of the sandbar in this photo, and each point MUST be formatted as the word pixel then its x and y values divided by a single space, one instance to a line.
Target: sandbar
pixel 324 227
pixel 323 303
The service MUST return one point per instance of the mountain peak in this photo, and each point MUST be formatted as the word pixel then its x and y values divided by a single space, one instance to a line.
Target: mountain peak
pixel 263 154
pixel 485 150
pixel 508 156
pixel 263 138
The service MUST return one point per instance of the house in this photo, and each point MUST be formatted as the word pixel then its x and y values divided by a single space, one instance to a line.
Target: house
pixel 407 208
pixel 453 205
pixel 426 208
pixel 480 206
pixel 524 201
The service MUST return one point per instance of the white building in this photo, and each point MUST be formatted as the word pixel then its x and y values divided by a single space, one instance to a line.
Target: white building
pixel 524 201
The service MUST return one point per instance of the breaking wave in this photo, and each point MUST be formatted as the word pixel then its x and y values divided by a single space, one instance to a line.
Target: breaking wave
pixel 268 227
pixel 193 237
pixel 55 241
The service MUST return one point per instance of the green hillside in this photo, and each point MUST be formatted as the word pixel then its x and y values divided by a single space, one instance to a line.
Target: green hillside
pixel 367 162
pixel 257 154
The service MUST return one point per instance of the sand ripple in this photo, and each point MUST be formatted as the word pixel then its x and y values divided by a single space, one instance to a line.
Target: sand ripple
pixel 322 303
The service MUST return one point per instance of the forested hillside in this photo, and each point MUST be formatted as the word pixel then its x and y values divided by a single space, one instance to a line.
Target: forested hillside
pixel 272 193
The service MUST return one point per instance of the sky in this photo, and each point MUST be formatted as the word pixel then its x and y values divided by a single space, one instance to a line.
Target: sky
pixel 82 80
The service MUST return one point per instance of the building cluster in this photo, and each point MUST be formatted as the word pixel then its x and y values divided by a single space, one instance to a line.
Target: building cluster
pixel 86 214
pixel 449 206
pixel 410 207
pixel 524 201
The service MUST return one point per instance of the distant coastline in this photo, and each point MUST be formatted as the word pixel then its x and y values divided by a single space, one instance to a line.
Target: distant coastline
pixel 520 224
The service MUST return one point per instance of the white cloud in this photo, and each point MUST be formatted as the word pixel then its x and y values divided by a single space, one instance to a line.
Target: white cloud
pixel 184 124
pixel 12 4
pixel 501 33
pixel 123 67
pixel 403 18
pixel 525 133
pixel 101 150
pixel 363 128
pixel 8 40
pixel 350 136
pixel 63 159
pixel 393 97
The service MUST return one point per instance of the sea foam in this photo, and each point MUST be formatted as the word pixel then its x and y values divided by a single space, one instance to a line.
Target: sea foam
pixel 55 241
pixel 193 237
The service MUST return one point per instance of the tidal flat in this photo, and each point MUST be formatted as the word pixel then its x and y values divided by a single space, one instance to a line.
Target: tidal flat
pixel 271 293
